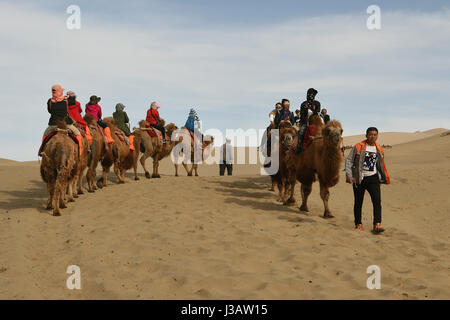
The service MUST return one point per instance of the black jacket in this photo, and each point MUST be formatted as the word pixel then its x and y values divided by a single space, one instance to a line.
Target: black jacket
pixel 58 111
pixel 314 106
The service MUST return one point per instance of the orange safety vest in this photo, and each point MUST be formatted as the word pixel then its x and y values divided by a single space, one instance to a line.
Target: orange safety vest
pixel 361 146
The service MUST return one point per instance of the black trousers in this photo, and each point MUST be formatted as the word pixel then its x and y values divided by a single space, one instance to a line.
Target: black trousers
pixel 372 185
pixel 229 168
pixel 101 123
pixel 160 128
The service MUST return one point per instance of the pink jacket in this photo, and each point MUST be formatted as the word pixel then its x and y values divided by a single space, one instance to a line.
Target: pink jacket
pixel 94 110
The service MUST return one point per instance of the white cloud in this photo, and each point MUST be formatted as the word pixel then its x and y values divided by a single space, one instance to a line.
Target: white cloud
pixel 233 75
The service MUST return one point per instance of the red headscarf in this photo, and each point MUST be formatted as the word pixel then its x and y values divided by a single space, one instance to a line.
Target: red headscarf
pixel 57 93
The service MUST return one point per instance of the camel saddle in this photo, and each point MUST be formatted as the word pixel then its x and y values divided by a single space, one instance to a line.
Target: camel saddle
pixel 121 135
pixel 310 133
pixel 51 135
pixel 151 131
pixel 80 127
pixel 155 133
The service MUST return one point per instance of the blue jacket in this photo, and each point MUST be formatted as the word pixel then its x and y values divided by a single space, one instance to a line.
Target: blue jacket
pixel 190 123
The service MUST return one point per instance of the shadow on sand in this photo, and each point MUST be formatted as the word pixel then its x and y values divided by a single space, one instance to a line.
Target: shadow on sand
pixel 34 197
pixel 252 192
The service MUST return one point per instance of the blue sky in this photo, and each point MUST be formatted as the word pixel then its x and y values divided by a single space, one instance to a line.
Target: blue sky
pixel 232 60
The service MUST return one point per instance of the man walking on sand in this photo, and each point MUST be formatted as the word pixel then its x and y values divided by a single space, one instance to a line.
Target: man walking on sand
pixel 226 158
pixel 365 170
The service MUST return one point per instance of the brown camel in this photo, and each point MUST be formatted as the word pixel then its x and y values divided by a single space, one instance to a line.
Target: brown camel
pixel 119 154
pixel 82 163
pixel 203 151
pixel 153 146
pixel 285 177
pixel 97 149
pixel 58 167
pixel 322 158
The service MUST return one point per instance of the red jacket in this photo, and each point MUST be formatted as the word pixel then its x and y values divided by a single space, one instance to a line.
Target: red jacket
pixel 75 113
pixel 152 116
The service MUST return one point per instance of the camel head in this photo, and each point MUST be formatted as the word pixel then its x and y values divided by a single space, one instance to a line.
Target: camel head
pixel 207 140
pixel 332 133
pixel 287 135
pixel 170 128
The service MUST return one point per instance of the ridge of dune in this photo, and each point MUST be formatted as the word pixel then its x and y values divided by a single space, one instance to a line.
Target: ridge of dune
pixel 395 138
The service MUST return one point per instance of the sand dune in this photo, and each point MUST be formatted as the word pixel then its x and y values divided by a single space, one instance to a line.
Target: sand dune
pixel 227 238
pixel 393 138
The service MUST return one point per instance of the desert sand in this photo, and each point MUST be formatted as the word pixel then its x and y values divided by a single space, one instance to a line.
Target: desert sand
pixel 212 237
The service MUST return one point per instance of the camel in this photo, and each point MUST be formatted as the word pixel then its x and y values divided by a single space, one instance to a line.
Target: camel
pixel 58 167
pixel 97 150
pixel 153 146
pixel 119 154
pixel 323 159
pixel 82 163
pixel 205 149
pixel 285 176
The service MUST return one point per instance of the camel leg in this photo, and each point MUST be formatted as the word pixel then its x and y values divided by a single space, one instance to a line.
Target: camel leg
pixel 291 199
pixel 306 191
pixel 117 172
pixel 103 180
pixel 142 161
pixel 135 168
pixel 70 190
pixel 289 194
pixel 280 191
pixel 189 173
pixel 74 187
pixel 58 197
pixel 80 183
pixel 274 183
pixel 90 177
pixel 56 201
pixel 51 194
pixel 325 195
pixel 62 197
pixel 195 167
pixel 155 168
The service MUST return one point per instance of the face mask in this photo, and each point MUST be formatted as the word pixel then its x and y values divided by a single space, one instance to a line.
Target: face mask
pixel 71 100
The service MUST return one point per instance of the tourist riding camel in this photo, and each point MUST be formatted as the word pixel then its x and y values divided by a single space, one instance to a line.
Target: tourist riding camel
pixel 284 114
pixel 121 119
pixel 57 106
pixel 325 116
pixel 321 159
pixel 75 113
pixel 59 161
pixel 155 120
pixel 308 108
pixel 93 109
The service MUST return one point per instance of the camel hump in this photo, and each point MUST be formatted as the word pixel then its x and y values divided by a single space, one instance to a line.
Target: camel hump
pixel 89 119
pixel 61 124
pixel 109 121
pixel 143 124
